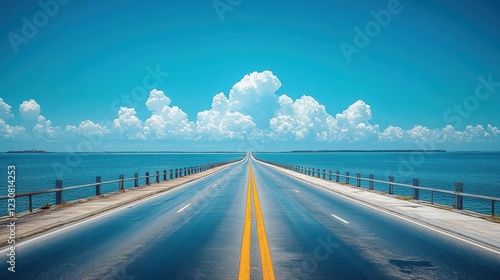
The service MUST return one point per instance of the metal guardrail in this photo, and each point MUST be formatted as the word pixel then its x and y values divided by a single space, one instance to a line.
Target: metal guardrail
pixel 322 173
pixel 173 174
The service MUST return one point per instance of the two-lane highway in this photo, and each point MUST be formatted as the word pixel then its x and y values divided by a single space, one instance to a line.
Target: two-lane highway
pixel 241 222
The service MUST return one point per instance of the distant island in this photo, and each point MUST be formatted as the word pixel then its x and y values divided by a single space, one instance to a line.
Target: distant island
pixel 26 151
pixel 366 151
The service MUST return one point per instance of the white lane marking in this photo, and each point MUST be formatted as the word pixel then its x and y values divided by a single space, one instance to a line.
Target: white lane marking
pixel 340 219
pixel 438 230
pixel 296 191
pixel 182 209
pixel 106 213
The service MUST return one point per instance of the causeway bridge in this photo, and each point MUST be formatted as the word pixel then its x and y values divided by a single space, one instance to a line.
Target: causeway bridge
pixel 248 220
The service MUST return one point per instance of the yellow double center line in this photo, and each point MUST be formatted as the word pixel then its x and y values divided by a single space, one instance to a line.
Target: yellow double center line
pixel 265 254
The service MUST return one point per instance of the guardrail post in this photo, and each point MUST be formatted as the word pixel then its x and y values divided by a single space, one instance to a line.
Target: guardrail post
pixel 176 173
pixel 371 181
pixel 358 180
pixel 147 178
pixel 459 200
pixel 59 185
pixel 492 208
pixel 164 175
pixel 157 176
pixel 319 173
pixel 324 174
pixel 136 180
pixel 391 186
pixel 329 175
pixel 185 172
pixel 121 182
pixel 337 174
pixel 98 185
pixel 416 192
pixel 31 204
pixel 347 177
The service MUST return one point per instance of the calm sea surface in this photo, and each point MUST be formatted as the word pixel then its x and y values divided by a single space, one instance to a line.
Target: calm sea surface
pixel 478 171
pixel 39 171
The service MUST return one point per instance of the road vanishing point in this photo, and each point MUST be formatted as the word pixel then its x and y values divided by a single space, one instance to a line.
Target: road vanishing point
pixel 250 220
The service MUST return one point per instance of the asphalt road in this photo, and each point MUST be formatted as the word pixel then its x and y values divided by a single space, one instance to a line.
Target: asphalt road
pixel 195 232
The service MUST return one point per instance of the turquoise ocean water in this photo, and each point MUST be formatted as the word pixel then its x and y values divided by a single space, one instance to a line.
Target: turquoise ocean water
pixel 478 171
pixel 39 171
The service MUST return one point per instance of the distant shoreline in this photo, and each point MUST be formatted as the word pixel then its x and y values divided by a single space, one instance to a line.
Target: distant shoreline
pixel 367 151
pixel 118 152
pixel 33 151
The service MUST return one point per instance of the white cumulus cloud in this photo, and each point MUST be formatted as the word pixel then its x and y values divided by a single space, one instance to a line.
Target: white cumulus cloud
pixel 157 101
pixel 300 118
pixel 166 122
pixel 44 129
pixel 5 112
pixel 252 110
pixel 221 123
pixel 254 95
pixel 30 110
pixel 128 124
pixel 10 132
pixel 87 128
pixel 392 133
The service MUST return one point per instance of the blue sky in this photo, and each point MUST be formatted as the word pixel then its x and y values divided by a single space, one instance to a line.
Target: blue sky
pixel 83 61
